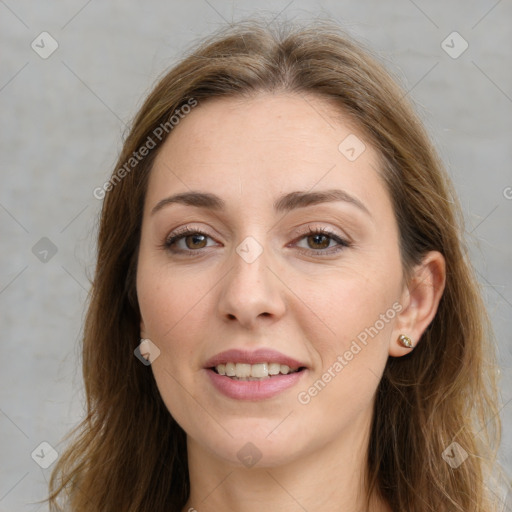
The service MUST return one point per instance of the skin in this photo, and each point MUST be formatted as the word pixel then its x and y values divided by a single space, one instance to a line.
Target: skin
pixel 311 307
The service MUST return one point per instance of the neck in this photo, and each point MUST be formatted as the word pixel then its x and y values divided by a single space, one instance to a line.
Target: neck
pixel 330 478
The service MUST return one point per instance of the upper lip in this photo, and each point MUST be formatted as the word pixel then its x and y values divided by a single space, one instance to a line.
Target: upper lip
pixel 261 355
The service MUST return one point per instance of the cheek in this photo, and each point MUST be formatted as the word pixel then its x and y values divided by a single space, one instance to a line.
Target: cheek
pixel 171 310
pixel 350 330
pixel 352 303
pixel 167 304
pixel 176 309
pixel 168 300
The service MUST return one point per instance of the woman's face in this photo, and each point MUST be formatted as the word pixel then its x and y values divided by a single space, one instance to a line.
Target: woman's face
pixel 257 290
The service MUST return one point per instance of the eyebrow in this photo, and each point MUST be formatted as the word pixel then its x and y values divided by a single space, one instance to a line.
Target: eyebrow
pixel 285 203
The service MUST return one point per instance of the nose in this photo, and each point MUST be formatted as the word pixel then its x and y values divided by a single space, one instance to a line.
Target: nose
pixel 251 291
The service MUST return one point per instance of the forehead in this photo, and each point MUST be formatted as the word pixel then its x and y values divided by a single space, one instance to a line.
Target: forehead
pixel 246 148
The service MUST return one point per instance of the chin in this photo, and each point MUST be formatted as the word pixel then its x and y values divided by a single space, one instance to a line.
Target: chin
pixel 253 453
pixel 257 444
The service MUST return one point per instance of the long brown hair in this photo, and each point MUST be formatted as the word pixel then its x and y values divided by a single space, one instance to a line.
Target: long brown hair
pixel 129 454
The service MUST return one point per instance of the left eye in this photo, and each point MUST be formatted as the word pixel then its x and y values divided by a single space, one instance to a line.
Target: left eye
pixel 318 243
pixel 320 240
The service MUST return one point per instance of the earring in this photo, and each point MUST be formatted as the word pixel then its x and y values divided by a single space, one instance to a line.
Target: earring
pixel 145 349
pixel 405 341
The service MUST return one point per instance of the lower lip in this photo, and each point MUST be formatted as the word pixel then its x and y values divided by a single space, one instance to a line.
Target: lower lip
pixel 254 389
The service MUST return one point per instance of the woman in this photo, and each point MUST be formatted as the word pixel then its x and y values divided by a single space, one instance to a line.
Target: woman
pixel 283 316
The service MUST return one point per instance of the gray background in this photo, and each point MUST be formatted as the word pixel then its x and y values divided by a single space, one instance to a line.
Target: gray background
pixel 62 124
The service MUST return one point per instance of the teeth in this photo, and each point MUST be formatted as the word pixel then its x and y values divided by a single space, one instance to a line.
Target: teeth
pixel 274 368
pixel 230 369
pixel 242 370
pixel 257 371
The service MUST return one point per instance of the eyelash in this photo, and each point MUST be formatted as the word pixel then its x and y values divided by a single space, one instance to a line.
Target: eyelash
pixel 186 231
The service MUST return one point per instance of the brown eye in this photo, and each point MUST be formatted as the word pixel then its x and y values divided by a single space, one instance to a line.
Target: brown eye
pixel 319 241
pixel 195 241
pixel 188 241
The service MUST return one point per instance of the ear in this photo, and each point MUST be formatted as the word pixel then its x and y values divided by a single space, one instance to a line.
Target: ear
pixel 142 329
pixel 420 300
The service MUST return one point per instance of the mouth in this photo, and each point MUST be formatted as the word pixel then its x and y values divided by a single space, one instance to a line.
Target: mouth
pixel 254 372
pixel 254 375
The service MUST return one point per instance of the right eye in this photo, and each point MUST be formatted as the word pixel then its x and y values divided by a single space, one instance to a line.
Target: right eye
pixel 194 239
